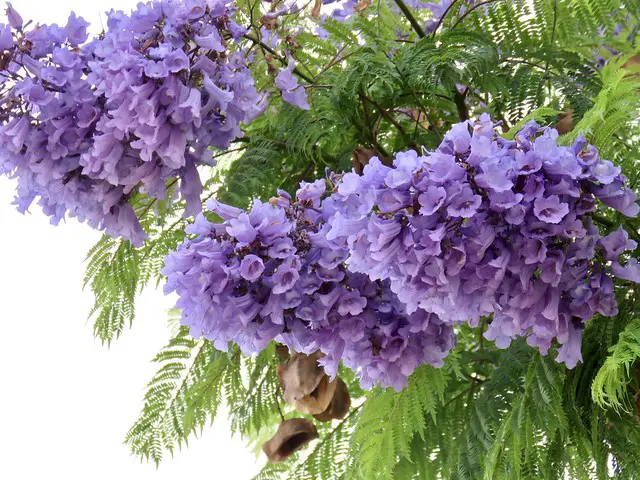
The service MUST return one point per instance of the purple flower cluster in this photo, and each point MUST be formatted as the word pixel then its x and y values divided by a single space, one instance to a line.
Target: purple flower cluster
pixel 486 225
pixel 270 273
pixel 85 125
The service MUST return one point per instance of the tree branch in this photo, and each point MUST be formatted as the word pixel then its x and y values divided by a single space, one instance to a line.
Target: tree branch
pixel 444 15
pixel 279 57
pixel 463 111
pixel 412 20
pixel 394 122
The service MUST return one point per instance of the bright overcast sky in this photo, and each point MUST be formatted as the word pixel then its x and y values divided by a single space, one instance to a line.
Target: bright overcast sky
pixel 67 401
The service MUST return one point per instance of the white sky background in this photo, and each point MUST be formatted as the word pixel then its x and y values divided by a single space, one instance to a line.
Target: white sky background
pixel 66 401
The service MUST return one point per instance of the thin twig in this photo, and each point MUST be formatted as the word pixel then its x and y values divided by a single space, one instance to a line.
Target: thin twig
pixel 330 64
pixel 155 199
pixel 553 39
pixel 275 394
pixel 461 106
pixel 475 7
pixel 395 123
pixel 367 118
pixel 466 390
pixel 229 151
pixel 334 61
pixel 444 15
pixel 306 171
pixel 279 57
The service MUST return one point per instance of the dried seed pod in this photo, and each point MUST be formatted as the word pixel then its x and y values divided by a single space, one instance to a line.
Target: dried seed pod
pixel 304 383
pixel 315 12
pixel 565 122
pixel 362 5
pixel 633 64
pixel 300 375
pixel 282 351
pixel 318 400
pixel 339 405
pixel 291 436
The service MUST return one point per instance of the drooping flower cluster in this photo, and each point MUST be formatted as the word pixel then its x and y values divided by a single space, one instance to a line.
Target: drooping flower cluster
pixel 270 273
pixel 84 125
pixel 486 225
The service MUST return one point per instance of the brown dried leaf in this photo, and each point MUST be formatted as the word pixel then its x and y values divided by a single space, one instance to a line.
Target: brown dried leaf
pixel 633 64
pixel 282 351
pixel 360 157
pixel 362 5
pixel 271 64
pixel 304 383
pixel 290 41
pixel 269 22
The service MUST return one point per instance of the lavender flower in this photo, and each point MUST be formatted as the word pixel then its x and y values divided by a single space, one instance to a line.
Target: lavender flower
pixel 292 91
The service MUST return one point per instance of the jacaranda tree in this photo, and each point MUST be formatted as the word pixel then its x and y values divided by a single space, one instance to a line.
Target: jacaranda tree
pixel 406 231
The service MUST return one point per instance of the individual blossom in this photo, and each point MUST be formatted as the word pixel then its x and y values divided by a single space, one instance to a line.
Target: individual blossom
pixel 292 91
pixel 550 209
pixel 251 268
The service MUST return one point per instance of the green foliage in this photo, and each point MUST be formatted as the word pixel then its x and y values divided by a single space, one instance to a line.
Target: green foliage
pixel 112 272
pixel 389 422
pixel 614 108
pixel 180 397
pixel 610 387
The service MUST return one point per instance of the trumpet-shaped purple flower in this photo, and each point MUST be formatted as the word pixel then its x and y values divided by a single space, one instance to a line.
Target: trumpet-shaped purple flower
pixel 292 91
pixel 550 209
pixel 616 243
pixel 242 229
pixel 631 271
pixel 432 199
pixel 618 197
pixel 6 39
pixel 464 204
pixel 251 267
pixel 15 20
pixel 351 303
